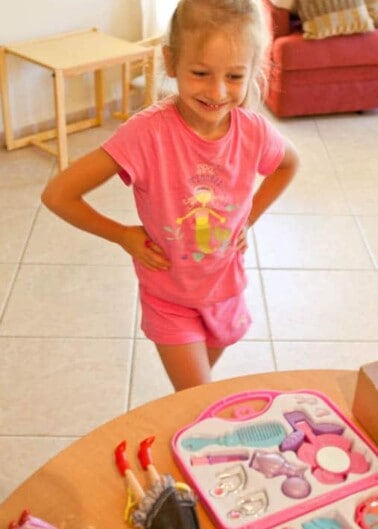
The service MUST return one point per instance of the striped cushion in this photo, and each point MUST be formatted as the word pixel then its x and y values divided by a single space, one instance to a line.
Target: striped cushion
pixel 372 6
pixel 328 18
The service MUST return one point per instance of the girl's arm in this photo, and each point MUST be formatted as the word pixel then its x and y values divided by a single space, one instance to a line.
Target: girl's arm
pixel 274 184
pixel 64 196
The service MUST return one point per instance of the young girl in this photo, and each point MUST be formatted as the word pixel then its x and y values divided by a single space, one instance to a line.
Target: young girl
pixel 192 160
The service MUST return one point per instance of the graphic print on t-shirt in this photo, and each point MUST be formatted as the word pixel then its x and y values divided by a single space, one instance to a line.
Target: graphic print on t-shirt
pixel 207 226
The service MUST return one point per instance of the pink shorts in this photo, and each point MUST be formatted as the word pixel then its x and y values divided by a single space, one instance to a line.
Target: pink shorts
pixel 218 325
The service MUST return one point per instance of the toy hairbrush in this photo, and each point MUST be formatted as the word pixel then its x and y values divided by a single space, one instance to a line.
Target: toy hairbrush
pixel 256 435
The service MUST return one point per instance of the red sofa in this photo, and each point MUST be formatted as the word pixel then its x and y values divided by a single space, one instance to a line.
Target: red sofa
pixel 307 77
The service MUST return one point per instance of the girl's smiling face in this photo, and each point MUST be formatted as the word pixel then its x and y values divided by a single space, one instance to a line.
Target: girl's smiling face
pixel 212 77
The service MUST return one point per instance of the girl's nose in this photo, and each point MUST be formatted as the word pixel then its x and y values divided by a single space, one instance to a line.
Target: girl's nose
pixel 216 90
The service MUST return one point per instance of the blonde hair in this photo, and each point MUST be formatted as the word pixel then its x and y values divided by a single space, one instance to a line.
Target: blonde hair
pixel 245 17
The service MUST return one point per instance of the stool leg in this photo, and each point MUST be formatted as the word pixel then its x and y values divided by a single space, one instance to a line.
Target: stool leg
pixel 125 90
pixel 8 132
pixel 60 113
pixel 99 91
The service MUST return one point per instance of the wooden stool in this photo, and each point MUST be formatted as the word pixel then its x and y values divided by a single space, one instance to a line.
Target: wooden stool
pixel 67 55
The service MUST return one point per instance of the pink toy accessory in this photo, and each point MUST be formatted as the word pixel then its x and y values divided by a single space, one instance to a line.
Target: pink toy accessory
pixel 366 515
pixel 331 456
pixel 26 521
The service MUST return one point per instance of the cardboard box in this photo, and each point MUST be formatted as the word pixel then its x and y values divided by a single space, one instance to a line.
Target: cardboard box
pixel 365 405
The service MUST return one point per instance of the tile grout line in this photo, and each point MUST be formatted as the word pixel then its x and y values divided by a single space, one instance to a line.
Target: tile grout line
pixel 19 264
pixel 20 260
pixel 262 286
pixel 365 241
pixel 129 387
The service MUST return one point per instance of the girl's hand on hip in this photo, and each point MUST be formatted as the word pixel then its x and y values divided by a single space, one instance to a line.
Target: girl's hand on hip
pixel 242 241
pixel 137 243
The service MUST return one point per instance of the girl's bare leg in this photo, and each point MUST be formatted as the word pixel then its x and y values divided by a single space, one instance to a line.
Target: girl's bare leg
pixel 213 355
pixel 187 365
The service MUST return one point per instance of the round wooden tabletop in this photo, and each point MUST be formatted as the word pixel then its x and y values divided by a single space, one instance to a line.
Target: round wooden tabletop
pixel 80 488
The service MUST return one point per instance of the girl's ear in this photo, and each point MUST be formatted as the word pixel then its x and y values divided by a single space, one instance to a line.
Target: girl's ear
pixel 168 61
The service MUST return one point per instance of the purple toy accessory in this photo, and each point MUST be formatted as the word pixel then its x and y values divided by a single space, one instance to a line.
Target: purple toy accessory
pixel 296 487
pixel 273 464
pixel 295 418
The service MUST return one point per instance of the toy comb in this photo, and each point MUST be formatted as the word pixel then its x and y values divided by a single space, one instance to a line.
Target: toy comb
pixel 256 435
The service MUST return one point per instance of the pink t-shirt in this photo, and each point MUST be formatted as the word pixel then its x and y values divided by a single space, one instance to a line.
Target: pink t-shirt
pixel 193 196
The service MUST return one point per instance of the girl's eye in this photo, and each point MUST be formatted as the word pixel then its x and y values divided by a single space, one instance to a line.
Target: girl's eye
pixel 199 73
pixel 236 77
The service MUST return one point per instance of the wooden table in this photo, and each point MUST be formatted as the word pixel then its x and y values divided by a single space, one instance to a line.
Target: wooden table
pixel 80 488
pixel 67 55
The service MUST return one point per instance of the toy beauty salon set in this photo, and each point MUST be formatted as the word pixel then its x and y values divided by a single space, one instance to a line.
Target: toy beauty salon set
pixel 290 460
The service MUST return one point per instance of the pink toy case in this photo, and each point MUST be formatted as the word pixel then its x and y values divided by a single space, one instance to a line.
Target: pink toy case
pixel 291 460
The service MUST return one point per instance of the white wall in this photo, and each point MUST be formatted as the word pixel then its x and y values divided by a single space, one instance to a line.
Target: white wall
pixel 31 86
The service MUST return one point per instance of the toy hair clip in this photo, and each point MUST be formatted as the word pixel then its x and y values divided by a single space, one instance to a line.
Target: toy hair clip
pixel 233 480
pixel 26 521
pixel 253 505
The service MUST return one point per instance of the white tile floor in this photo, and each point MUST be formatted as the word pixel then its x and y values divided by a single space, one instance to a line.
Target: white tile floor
pixel 71 352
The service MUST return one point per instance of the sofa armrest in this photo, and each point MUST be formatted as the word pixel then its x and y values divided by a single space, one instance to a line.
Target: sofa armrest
pixel 278 19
